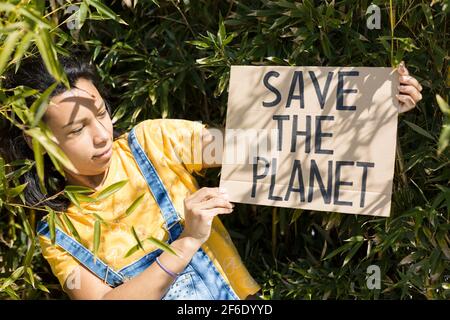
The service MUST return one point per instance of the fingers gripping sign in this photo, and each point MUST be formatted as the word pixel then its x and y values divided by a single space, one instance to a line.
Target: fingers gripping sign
pixel 409 89
pixel 200 208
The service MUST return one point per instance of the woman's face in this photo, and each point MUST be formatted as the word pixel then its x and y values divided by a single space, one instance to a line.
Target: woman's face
pixel 82 127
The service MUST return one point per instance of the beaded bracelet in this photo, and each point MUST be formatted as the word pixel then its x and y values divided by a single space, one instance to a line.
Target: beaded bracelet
pixel 172 274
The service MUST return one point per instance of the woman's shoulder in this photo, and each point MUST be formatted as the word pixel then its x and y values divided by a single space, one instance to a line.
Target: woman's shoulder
pixel 179 132
pixel 165 123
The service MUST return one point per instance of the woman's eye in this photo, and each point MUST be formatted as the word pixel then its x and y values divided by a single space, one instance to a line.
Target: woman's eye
pixel 77 131
pixel 103 114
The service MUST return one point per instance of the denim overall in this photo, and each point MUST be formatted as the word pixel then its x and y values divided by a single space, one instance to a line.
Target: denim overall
pixel 200 280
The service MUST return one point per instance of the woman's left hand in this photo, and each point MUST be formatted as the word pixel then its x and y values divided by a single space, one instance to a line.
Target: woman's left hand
pixel 409 89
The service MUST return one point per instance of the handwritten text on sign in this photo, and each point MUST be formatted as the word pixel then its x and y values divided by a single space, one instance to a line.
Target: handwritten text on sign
pixel 320 138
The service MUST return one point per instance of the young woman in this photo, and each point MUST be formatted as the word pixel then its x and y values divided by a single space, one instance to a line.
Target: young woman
pixel 159 159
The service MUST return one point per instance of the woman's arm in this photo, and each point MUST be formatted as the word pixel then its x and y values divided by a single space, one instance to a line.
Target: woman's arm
pixel 213 140
pixel 152 284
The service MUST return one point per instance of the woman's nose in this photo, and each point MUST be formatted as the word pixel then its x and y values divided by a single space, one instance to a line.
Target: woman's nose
pixel 101 133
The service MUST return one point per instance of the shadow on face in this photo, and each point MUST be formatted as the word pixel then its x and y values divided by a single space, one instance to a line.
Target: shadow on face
pixel 82 127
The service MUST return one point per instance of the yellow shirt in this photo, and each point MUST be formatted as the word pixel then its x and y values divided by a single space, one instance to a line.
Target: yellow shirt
pixel 172 147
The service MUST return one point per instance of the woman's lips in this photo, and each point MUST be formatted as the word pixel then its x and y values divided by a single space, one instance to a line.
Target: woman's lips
pixel 104 155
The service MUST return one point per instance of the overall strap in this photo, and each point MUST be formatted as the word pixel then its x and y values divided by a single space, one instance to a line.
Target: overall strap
pixel 201 263
pixel 159 192
pixel 82 254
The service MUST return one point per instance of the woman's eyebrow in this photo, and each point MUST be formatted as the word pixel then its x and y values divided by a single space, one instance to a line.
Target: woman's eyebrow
pixel 83 119
pixel 73 121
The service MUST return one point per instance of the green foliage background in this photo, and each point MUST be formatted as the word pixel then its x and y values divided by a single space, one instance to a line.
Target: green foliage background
pixel 172 58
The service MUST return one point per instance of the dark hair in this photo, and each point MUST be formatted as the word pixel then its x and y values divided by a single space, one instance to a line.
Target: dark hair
pixel 33 73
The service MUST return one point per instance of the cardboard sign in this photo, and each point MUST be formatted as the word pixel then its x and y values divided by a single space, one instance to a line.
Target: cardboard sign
pixel 318 138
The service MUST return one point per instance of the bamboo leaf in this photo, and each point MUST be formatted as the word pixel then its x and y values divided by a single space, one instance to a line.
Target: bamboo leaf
pixel 355 239
pixel 42 288
pixel 35 17
pixel 105 11
pixel 39 158
pixel 199 44
pixel 326 45
pixel 443 105
pixel 13 192
pixel 48 53
pixel 83 198
pixel 12 278
pixel 444 138
pixel 2 173
pixel 111 189
pixel 276 60
pixel 161 245
pixel 51 224
pixel 71 227
pixel 58 223
pixel 221 34
pixel 57 164
pixel 97 234
pixel 419 130
pixel 229 39
pixel 25 222
pixel 77 192
pixel 137 238
pixel 78 189
pixel 31 276
pixel 39 107
pixel 73 199
pixel 296 215
pixel 131 251
pixel 133 206
pixel 99 218
pixel 8 48
pixel 120 112
pixel 82 14
pixel 338 250
pixel 30 253
pixel 51 147
pixel 352 253
pixel 10 27
pixel 11 293
pixel 7 7
pixel 23 46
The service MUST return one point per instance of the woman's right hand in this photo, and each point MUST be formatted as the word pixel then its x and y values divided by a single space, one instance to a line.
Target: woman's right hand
pixel 199 210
